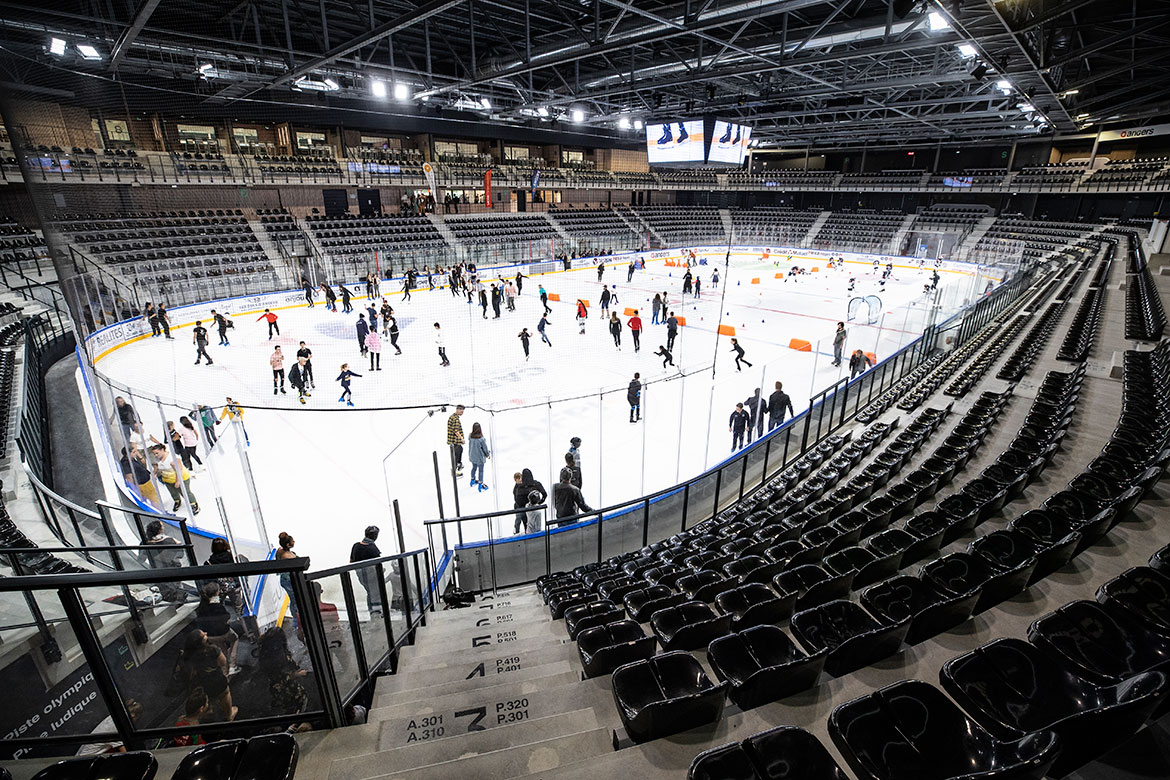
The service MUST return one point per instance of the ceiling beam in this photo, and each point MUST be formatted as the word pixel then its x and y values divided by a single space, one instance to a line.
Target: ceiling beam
pixel 130 33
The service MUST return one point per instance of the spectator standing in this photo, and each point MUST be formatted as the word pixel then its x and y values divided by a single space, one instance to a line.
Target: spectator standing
pixel 778 402
pixel 567 499
pixel 522 491
pixel 755 405
pixel 128 418
pixel 367 550
pixel 838 343
pixel 858 363
pixel 738 425
pixel 455 439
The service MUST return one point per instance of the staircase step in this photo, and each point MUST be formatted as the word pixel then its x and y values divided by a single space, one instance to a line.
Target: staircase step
pixel 477 646
pixel 498 668
pixel 488 708
pixel 524 759
pixel 383 698
pixel 424 753
pixel 444 637
pixel 475 616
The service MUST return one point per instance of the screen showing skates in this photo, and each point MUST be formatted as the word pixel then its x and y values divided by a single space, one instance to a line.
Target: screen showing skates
pixel 729 143
pixel 680 141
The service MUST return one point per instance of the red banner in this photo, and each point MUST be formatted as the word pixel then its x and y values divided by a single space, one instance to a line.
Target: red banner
pixel 487 185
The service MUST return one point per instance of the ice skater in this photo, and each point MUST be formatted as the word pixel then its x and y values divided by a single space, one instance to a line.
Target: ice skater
pixel 605 296
pixel 715 279
pixel 406 289
pixel 346 306
pixel 778 402
pixel 838 343
pixel 272 323
pixel 630 272
pixel 510 295
pixel 540 326
pixel 442 349
pixel 222 324
pixel 164 321
pixel 600 270
pixel 671 330
pixel 150 314
pixel 698 284
pixel 858 363
pixel 737 426
pixel 483 299
pixel 519 283
pixel 330 297
pixel 655 308
pixel 635 324
pixel 455 439
pixel 298 377
pixel 276 360
pixel 497 298
pixel 582 315
pixel 307 354
pixel 544 299
pixel 852 284
pixel 235 416
pixel 387 311
pixel 370 310
pixel 392 329
pixel 363 330
pixel 344 377
pixel 199 339
pixel 524 337
pixel 374 347
pixel 634 398
pixel 615 329
pixel 664 353
pixel 477 453
pixel 308 291
pixel 688 282
pixel 738 350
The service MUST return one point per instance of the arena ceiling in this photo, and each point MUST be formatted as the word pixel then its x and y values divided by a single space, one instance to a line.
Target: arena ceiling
pixel 842 72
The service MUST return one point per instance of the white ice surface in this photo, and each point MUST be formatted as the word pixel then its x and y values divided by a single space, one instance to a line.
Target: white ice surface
pixel 318 468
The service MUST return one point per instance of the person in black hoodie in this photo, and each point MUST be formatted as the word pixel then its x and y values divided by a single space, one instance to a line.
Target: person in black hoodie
pixel 567 498
pixel 756 407
pixel 525 484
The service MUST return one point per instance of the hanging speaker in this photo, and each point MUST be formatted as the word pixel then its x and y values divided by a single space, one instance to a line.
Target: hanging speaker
pixel 979 72
pixel 902 8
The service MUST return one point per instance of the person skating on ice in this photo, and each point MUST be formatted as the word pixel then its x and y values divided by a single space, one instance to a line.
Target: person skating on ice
pixel 150 314
pixel 635 324
pixel 852 284
pixel 582 315
pixel 374 346
pixel 387 311
pixel 442 349
pixel 738 425
pixel 344 377
pixel 615 329
pixel 330 297
pixel 600 270
pixel 630 272
pixel 298 378
pixel 373 315
pixel 671 330
pixel 406 289
pixel 307 354
pixel 510 295
pixel 199 339
pixel 858 363
pixel 667 358
pixel 634 398
pixel 346 306
pixel 519 283
pixel 778 402
pixel 738 350
pixel 271 319
pixel 688 280
pixel 497 298
pixel 222 324
pixel 308 291
pixel 715 279
pixel 544 299
pixel 838 343
pixel 455 439
pixel 392 329
pixel 164 321
pixel 605 296
pixel 698 283
pixel 755 404
pixel 276 360
pixel 477 453
pixel 540 326
pixel 655 309
pixel 483 299
pixel 235 416
pixel 524 337
pixel 363 329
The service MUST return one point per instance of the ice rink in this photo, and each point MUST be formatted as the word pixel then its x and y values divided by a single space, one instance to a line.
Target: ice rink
pixel 324 471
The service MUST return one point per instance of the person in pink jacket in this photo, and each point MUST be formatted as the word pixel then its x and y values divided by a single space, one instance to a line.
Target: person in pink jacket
pixel 374 345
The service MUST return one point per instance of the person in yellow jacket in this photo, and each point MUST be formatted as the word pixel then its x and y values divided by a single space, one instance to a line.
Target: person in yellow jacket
pixel 233 412
pixel 165 469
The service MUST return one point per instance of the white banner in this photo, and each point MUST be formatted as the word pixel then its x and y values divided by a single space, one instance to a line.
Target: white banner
pixel 1133 133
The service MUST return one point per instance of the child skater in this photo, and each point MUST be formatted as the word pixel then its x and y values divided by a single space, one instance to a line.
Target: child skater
pixel 344 377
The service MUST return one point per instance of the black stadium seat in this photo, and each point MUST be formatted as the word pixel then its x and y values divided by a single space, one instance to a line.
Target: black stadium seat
pixel 664 695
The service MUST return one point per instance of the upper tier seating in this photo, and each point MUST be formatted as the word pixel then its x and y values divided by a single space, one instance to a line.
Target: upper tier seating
pixel 863 231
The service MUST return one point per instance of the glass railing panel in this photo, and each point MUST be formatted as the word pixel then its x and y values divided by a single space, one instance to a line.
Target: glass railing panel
pixel 729 485
pixel 701 500
pixel 337 621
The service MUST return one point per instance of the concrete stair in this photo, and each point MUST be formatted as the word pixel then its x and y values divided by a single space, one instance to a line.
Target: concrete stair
pixel 444 231
pixel 557 225
pixel 815 228
pixel 895 245
pixel 725 217
pixel 973 237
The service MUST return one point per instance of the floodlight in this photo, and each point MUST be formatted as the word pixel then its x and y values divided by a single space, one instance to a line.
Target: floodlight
pixel 578 115
pixel 967 50
pixel 937 22
pixel 331 85
pixel 88 52
pixel 401 91
pixel 637 124
pixel 378 88
pixel 624 123
pixel 542 111
pixel 1004 86
pixel 486 103
pixel 57 47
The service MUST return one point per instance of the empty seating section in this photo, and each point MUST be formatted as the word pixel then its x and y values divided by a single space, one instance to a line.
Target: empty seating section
pixel 200 162
pixel 978 178
pixel 349 234
pixel 1145 317
pixel 1123 174
pixel 1014 235
pixel 495 229
pixel 315 163
pixel 683 223
pixel 960 220
pixel 19 244
pixel 281 227
pixel 593 224
pixel 1051 175
pixel 862 231
pixel 1082 331
pixel 772 224
pixel 783 177
pixel 700 179
pixel 908 178
pixel 160 249
pixel 635 179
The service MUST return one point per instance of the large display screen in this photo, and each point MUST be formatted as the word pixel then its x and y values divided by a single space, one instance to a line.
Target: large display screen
pixel 729 144
pixel 674 142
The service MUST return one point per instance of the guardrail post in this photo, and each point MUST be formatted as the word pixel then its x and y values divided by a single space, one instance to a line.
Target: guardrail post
pixel 384 600
pixel 645 522
pixel 318 646
pixel 355 626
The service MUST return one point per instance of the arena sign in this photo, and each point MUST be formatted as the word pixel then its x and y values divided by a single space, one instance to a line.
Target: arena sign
pixel 1134 133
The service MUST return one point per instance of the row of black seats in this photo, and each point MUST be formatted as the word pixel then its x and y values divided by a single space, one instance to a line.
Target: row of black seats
pixel 1145 317
pixel 991 352
pixel 271 757
pixel 1030 347
pixel 1082 332
pixel 34 561
pixel 888 398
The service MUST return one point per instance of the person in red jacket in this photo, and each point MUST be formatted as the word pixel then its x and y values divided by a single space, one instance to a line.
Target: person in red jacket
pixel 636 329
pixel 268 315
